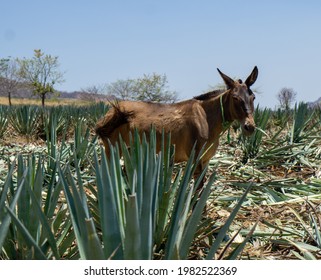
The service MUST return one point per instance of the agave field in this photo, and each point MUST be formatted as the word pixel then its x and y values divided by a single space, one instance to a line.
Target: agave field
pixel 61 198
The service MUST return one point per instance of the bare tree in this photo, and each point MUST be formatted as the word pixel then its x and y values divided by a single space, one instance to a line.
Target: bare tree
pixel 154 88
pixel 151 87
pixel 122 89
pixel 93 93
pixel 286 97
pixel 9 78
pixel 41 72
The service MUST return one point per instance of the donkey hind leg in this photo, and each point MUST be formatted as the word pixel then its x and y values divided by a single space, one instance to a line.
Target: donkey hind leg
pixel 198 172
pixel 107 149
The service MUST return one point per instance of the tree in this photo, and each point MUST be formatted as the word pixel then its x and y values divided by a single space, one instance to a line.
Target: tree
pixel 122 89
pixel 93 93
pixel 9 78
pixel 286 97
pixel 41 72
pixel 152 87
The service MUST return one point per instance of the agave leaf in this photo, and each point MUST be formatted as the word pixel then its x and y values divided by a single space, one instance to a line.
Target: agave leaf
pixel 238 250
pixel 53 192
pixel 60 218
pixel 147 215
pixel 31 243
pixel 6 187
pixel 304 248
pixel 66 239
pixel 224 229
pixel 166 188
pixel 23 202
pixel 139 161
pixel 118 184
pixel 3 120
pixel 34 187
pixel 316 224
pixel 85 232
pixel 73 214
pixel 228 244
pixel 112 229
pixel 305 227
pixel 5 218
pixel 316 230
pixel 193 221
pixel 183 220
pixel 295 253
pixel 133 240
pixel 276 197
pixel 166 200
pixel 289 231
pixel 179 204
pixel 94 249
pixel 44 222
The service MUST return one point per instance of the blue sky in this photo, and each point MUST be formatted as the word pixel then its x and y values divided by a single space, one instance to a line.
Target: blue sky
pixel 102 41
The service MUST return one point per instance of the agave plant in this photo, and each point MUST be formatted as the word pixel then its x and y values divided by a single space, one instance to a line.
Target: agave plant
pixel 302 117
pixel 57 118
pixel 27 230
pixel 145 212
pixel 95 111
pixel 3 120
pixel 251 145
pixel 25 119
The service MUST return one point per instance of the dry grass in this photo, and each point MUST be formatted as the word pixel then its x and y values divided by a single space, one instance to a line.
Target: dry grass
pixel 48 102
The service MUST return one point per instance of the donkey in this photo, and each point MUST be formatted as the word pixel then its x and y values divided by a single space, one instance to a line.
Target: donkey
pixel 200 120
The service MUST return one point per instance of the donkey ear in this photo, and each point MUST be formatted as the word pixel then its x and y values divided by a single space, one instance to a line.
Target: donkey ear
pixel 252 78
pixel 227 80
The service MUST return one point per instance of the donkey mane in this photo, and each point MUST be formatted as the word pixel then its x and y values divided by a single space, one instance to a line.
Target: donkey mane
pixel 208 95
pixel 117 119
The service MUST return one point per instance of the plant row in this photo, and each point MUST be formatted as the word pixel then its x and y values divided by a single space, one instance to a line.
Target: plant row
pixel 33 121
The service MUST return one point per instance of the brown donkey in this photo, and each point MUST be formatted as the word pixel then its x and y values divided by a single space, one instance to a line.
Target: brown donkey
pixel 200 120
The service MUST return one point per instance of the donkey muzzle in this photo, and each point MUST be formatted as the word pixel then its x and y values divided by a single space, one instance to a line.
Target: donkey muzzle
pixel 248 126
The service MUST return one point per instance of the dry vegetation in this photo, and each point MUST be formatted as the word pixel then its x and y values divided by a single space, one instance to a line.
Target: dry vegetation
pixel 49 101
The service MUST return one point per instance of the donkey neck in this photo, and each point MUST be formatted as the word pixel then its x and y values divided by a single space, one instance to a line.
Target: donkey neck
pixel 217 111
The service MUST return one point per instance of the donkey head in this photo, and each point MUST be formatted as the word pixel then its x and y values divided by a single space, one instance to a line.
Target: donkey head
pixel 242 100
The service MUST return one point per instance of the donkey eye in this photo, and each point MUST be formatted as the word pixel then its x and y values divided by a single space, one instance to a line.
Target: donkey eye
pixel 237 97
pixel 242 105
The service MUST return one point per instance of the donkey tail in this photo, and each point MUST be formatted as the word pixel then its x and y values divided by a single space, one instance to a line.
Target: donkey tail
pixel 114 118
